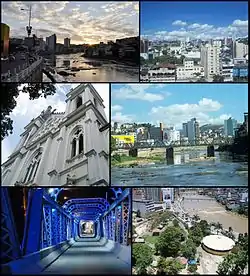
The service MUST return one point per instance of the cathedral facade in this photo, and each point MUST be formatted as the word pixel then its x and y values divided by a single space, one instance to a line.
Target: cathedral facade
pixel 68 148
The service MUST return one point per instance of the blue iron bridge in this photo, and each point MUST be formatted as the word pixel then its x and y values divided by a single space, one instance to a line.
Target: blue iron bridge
pixel 183 143
pixel 82 235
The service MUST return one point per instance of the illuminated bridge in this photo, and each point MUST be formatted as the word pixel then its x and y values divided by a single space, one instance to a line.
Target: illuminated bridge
pixel 160 144
pixel 66 231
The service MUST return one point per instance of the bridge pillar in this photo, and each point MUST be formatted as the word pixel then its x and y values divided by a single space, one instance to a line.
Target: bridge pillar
pixel 210 151
pixel 133 152
pixel 170 155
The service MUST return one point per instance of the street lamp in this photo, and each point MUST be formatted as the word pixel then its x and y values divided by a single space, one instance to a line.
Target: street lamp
pixel 28 28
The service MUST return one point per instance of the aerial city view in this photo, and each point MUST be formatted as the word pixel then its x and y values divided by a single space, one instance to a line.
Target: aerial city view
pixel 179 135
pixel 98 41
pixel 190 231
pixel 194 41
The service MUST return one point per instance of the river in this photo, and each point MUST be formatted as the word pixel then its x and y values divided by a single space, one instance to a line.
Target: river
pixel 222 171
pixel 212 211
pixel 107 72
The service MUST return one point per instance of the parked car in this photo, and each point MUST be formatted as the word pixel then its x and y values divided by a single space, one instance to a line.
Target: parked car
pixel 4 58
pixel 12 58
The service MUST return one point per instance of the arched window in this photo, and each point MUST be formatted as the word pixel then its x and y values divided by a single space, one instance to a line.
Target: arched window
pixel 78 102
pixel 32 168
pixel 73 148
pixel 77 144
pixel 81 143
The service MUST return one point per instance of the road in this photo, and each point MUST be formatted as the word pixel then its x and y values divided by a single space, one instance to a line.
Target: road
pixel 91 256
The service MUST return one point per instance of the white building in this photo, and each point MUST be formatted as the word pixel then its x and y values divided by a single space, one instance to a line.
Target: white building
pixel 189 71
pixel 68 148
pixel 240 50
pixel 67 42
pixel 170 135
pixel 210 60
pixel 227 72
pixel 162 73
pixel 217 43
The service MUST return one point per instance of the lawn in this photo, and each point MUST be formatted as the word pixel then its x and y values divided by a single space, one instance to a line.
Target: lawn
pixel 151 239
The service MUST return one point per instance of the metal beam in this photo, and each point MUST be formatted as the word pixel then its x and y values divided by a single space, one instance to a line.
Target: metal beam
pixel 125 194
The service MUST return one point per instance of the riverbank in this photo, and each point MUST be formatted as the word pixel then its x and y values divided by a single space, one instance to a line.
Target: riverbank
pixel 113 60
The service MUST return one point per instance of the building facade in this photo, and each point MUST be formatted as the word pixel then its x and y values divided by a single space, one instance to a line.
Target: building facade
pixel 210 60
pixel 5 39
pixel 51 43
pixel 67 42
pixel 68 148
pixel 229 127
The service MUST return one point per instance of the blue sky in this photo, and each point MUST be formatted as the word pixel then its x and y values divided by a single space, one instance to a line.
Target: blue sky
pixel 174 104
pixel 83 22
pixel 26 110
pixel 202 19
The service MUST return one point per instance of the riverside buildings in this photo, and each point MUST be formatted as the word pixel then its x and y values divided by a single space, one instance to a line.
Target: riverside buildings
pixel 68 148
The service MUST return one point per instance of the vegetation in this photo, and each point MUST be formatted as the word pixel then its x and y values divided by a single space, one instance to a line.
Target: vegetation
pixel 11 91
pixel 113 144
pixel 161 218
pixel 218 78
pixel 169 241
pixel 142 257
pixel 236 262
pixel 168 267
pixel 188 249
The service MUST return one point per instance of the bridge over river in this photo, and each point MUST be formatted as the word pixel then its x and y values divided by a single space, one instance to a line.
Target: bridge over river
pixel 55 234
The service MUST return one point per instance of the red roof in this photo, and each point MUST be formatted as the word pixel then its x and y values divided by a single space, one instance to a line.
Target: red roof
pixel 167 65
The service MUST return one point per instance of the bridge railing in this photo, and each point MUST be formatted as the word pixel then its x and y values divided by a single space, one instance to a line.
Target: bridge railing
pixel 21 73
pixel 116 220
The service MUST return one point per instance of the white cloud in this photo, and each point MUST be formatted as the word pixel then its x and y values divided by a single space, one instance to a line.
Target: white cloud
pixel 116 108
pixel 177 114
pixel 238 28
pixel 179 23
pixel 139 92
pixel 122 118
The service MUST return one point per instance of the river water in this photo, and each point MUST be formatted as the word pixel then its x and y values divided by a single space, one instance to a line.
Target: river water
pixel 223 171
pixel 212 211
pixel 107 72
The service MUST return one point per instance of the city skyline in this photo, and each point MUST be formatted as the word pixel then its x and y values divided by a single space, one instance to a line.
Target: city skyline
pixel 174 104
pixel 193 20
pixel 87 22
pixel 26 110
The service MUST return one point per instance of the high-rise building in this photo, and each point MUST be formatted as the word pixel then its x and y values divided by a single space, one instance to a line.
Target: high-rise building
pixel 191 126
pixel 144 45
pixel 210 60
pixel 5 39
pixel 66 148
pixel 197 130
pixel 153 194
pixel 240 49
pixel 246 120
pixel 184 130
pixel 67 42
pixel 229 127
pixel 51 42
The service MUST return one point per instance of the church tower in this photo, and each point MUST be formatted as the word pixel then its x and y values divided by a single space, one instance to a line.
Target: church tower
pixel 69 148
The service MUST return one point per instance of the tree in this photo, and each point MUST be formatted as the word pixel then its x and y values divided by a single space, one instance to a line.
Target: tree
pixel 175 223
pixel 10 91
pixel 233 264
pixel 218 226
pixel 196 218
pixel 169 242
pixel 168 267
pixel 113 144
pixel 192 268
pixel 142 257
pixel 188 249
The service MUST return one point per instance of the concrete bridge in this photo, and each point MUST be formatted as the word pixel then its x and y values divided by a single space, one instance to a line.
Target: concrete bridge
pixel 25 72
pixel 53 240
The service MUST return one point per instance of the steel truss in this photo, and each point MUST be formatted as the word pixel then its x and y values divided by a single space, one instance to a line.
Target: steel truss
pixel 10 247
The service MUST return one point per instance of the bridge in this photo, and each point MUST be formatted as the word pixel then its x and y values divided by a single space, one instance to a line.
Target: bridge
pixel 183 143
pixel 86 232
pixel 22 71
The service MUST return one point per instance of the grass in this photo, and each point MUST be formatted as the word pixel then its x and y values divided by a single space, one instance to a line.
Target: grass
pixel 151 239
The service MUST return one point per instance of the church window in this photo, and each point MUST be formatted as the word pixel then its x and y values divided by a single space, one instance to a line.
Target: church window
pixel 77 144
pixel 95 103
pixel 73 148
pixel 78 102
pixel 81 143
pixel 32 168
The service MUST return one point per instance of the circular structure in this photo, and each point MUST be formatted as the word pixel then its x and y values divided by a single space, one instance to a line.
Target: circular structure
pixel 217 244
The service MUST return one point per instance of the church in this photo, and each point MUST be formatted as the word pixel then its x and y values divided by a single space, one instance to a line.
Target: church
pixel 68 148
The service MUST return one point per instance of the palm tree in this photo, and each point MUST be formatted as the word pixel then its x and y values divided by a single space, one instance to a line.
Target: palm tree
pixel 218 226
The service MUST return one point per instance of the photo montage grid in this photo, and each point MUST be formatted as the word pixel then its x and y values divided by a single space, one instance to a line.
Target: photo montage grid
pixel 124 137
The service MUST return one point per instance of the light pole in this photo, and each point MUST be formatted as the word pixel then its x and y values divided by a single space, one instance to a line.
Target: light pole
pixel 28 28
